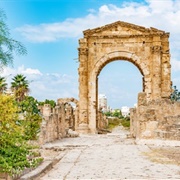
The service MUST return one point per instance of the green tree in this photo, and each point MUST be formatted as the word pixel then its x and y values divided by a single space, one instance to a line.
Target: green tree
pixel 20 86
pixel 117 113
pixel 3 84
pixel 175 96
pixel 14 150
pixel 29 104
pixel 31 117
pixel 8 45
pixel 108 113
pixel 52 103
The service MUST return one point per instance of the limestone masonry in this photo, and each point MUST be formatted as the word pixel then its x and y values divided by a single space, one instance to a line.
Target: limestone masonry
pixel 156 116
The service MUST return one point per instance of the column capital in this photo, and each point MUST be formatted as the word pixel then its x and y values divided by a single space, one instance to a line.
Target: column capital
pixel 83 51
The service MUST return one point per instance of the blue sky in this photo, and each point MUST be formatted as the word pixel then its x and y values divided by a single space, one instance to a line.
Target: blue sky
pixel 50 30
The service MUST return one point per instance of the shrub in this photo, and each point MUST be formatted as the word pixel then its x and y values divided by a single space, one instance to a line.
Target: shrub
pixel 31 119
pixel 14 150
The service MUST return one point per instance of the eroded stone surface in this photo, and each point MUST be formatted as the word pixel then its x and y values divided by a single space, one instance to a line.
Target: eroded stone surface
pixel 146 48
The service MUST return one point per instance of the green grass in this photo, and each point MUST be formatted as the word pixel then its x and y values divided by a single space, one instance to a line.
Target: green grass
pixel 125 122
pixel 113 123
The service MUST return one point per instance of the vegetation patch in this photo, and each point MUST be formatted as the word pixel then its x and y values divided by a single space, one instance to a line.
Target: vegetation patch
pixel 114 122
pixel 125 122
pixel 15 152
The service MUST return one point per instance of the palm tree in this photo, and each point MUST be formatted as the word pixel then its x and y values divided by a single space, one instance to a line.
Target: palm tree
pixel 3 84
pixel 20 86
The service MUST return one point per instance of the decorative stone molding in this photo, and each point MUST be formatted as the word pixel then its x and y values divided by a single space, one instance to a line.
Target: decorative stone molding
pixel 156 49
pixel 83 51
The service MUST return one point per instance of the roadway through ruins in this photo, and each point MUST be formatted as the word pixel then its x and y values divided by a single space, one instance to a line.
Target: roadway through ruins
pixel 107 156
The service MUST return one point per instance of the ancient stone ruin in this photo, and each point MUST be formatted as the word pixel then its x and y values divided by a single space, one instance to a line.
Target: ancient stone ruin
pixel 156 116
pixel 59 120
pixel 148 50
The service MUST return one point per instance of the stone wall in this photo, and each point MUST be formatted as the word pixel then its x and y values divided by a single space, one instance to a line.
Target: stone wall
pixel 155 119
pixel 57 121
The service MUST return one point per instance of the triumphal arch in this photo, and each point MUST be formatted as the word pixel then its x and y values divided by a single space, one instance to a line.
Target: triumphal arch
pixel 146 48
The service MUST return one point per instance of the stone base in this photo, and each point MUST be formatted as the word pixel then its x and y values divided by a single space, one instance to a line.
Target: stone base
pixel 83 128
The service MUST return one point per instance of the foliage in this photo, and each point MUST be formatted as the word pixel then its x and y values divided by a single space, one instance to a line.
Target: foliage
pixel 31 124
pixel 3 84
pixel 116 113
pixel 7 44
pixel 31 117
pixel 112 123
pixel 125 122
pixel 108 113
pixel 29 104
pixel 20 86
pixel 15 153
pixel 52 103
pixel 175 96
pixel 9 116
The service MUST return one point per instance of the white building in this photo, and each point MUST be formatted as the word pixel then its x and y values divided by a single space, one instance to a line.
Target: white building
pixel 102 102
pixel 125 111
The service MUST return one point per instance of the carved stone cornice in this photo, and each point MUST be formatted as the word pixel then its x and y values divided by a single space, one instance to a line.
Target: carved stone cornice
pixel 143 30
pixel 110 36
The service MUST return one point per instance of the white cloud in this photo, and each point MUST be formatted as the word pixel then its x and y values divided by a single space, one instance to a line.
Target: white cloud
pixel 32 71
pixel 175 65
pixel 45 85
pixel 163 15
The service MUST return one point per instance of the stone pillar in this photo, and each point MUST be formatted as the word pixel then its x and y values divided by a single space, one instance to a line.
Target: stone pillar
pixel 46 110
pixel 93 109
pixel 166 68
pixel 83 87
pixel 63 116
pixel 156 67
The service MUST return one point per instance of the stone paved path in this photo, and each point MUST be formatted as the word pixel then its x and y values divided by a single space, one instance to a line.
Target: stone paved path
pixel 111 156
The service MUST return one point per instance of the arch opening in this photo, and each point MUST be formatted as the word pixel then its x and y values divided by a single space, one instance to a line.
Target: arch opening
pixel 118 83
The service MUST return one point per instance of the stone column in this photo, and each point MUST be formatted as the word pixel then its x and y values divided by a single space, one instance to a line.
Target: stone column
pixel 156 68
pixel 83 87
pixel 166 68
pixel 93 109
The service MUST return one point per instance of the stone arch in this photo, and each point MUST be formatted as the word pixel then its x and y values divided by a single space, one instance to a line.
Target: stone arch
pixel 100 64
pixel 119 55
pixel 126 56
pixel 66 101
pixel 146 48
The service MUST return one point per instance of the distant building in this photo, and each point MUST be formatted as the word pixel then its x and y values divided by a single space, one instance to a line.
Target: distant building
pixel 102 102
pixel 125 111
